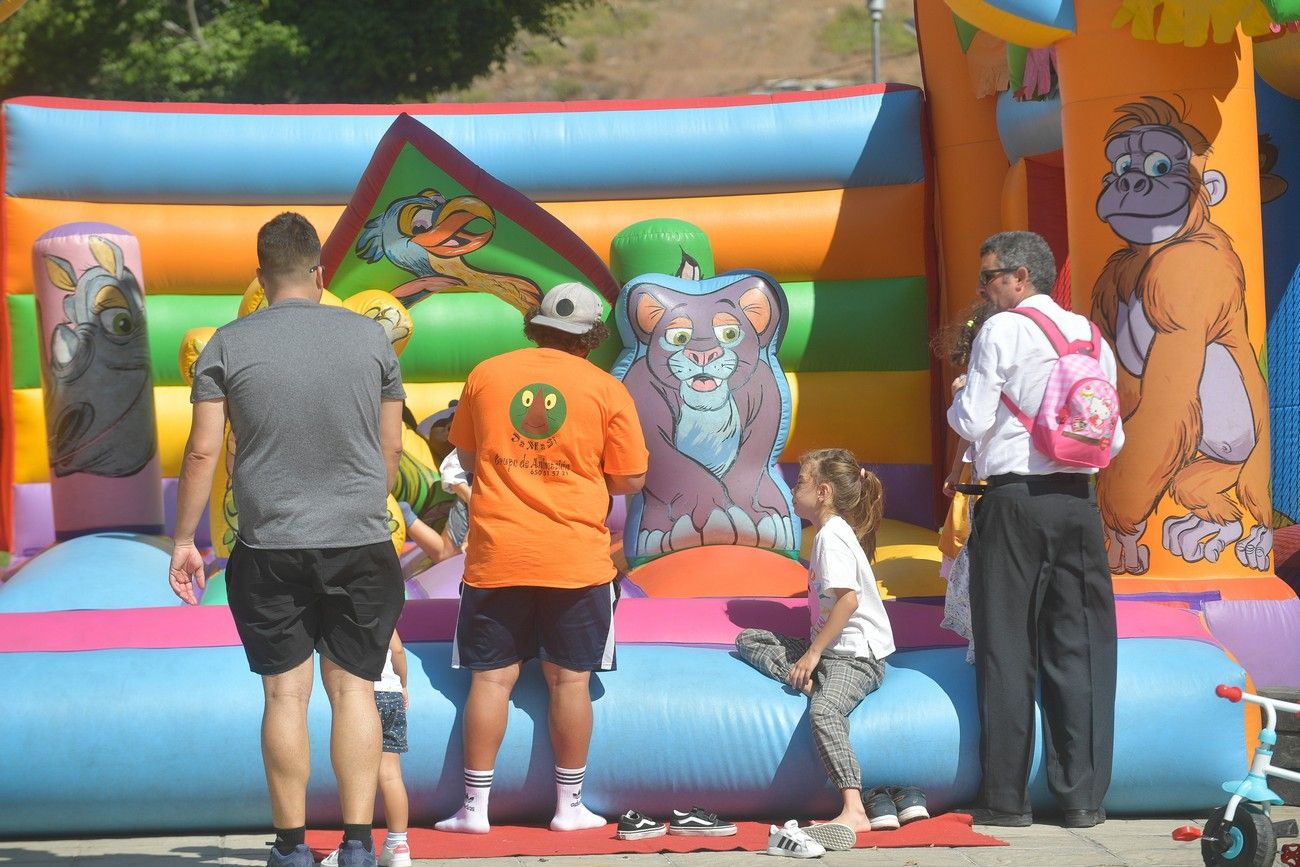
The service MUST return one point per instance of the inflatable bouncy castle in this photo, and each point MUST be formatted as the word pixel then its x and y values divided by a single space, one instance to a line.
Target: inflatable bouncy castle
pixel 842 225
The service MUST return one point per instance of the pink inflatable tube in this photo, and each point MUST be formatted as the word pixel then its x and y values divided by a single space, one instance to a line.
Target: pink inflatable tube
pixel 95 371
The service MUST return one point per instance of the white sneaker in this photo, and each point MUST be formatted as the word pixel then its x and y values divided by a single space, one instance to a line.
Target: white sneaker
pixel 331 860
pixel 792 842
pixel 398 856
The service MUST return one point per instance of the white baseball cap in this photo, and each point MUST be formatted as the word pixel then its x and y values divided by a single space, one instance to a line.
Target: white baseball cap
pixel 571 307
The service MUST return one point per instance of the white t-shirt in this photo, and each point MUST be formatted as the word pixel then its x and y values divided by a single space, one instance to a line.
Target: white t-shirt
pixel 838 561
pixel 452 472
pixel 388 681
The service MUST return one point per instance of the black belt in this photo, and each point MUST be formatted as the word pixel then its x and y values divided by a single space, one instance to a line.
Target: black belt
pixel 1054 480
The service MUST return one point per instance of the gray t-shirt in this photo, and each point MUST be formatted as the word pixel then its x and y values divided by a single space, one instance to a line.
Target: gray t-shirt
pixel 303 383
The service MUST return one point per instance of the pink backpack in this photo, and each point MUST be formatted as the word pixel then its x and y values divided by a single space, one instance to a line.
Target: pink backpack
pixel 1080 407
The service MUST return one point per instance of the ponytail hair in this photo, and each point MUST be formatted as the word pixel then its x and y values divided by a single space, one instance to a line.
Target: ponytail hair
pixel 954 340
pixel 856 493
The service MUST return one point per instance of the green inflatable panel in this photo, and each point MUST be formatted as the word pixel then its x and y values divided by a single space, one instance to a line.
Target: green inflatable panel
pixel 24 341
pixel 857 325
pixel 215 591
pixel 168 317
pixel 656 247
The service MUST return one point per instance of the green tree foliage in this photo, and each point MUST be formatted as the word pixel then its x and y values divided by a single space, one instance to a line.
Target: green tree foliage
pixel 262 50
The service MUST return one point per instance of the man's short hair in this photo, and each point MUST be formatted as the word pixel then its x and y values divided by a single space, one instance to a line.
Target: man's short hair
pixel 1029 249
pixel 286 246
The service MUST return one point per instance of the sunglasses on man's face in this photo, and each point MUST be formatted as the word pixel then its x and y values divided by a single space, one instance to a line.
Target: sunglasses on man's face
pixel 988 275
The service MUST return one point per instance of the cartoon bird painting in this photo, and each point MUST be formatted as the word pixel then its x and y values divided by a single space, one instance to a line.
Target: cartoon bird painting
pixel 428 235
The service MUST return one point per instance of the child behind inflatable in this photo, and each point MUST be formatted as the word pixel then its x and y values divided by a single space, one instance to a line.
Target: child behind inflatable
pixel 842 659
pixel 954 341
pixel 392 700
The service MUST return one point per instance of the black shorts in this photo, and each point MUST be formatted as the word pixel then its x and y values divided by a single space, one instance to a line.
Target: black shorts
pixel 500 626
pixel 343 602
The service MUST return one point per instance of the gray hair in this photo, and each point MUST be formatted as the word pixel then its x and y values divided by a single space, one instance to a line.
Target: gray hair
pixel 1014 249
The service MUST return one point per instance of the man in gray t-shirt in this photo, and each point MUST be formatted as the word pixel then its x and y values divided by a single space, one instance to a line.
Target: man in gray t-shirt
pixel 314 397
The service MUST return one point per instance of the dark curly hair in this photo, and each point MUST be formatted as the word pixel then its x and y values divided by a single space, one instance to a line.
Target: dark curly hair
pixel 953 341
pixel 553 338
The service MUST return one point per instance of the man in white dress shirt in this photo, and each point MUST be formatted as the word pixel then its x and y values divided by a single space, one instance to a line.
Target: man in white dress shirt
pixel 1042 604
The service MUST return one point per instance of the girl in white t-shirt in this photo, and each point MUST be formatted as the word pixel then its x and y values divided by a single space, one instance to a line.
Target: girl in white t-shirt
pixel 842 660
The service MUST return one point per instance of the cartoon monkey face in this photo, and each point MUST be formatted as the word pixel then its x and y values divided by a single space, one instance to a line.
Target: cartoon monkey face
pixel 537 411
pixel 1148 194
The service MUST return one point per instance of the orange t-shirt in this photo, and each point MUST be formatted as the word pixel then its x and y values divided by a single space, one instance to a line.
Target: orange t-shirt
pixel 546 427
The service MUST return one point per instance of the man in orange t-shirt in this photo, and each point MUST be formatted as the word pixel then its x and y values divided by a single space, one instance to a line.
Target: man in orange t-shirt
pixel 548 437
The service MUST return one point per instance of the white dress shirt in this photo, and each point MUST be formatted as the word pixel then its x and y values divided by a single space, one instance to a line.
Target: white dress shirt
pixel 1012 354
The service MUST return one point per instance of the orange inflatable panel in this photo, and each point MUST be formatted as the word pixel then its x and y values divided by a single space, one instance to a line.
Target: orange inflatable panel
pixel 721 570
pixel 867 232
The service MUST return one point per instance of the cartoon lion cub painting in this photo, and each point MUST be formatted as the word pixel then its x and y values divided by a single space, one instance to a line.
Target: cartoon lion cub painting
pixel 702 367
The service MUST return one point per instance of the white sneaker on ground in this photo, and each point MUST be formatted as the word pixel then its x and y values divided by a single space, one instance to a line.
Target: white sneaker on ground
pixel 834 836
pixel 792 842
pixel 398 856
pixel 331 860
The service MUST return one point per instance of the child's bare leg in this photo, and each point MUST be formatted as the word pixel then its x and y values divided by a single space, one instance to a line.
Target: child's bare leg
pixel 393 789
pixel 854 813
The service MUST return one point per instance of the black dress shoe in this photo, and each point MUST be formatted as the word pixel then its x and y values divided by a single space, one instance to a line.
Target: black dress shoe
pixel 997 818
pixel 1083 818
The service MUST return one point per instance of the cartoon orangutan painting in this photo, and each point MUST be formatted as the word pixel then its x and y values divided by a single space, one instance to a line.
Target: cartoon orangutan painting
pixel 1172 301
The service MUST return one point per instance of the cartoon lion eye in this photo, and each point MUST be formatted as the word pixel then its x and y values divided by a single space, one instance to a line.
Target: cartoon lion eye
pixel 527 398
pixel 550 401
pixel 1123 163
pixel 115 320
pixel 678 336
pixel 1157 164
pixel 728 334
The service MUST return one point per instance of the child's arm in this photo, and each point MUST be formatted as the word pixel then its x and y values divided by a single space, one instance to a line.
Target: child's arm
pixel 958 463
pixel 461 490
pixel 399 664
pixel 846 603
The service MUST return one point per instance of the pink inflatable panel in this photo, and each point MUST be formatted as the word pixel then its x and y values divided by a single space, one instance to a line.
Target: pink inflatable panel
pixel 639 621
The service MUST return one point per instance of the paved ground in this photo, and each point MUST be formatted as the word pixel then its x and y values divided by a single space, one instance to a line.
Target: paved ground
pixel 1119 842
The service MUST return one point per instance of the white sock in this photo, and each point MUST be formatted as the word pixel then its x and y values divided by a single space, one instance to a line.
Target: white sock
pixel 472 818
pixel 570 813
pixel 393 838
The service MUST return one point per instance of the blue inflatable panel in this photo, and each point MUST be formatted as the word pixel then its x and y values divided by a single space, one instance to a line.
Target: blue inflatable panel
pixel 237 158
pixel 142 741
pixel 1028 128
pixel 102 570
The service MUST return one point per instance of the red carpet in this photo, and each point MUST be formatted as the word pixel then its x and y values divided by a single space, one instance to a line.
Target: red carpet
pixel 950 829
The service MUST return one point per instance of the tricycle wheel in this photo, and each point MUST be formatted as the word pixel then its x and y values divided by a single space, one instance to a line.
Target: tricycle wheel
pixel 1248 842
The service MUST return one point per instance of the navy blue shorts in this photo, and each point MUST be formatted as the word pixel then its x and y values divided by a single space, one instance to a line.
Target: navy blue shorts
pixel 392 718
pixel 503 625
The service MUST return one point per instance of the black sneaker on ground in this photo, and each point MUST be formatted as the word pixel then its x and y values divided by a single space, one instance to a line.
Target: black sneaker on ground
pixel 909 801
pixel 881 811
pixel 699 823
pixel 633 826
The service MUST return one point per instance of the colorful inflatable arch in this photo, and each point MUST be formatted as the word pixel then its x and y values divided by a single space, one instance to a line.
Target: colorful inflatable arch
pixel 830 195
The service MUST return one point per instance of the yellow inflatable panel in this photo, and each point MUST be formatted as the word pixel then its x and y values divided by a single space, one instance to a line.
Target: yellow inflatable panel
pixel 173 412
pixel 31 455
pixel 862 411
pixel 907 560
pixel 883 417
pixel 861 233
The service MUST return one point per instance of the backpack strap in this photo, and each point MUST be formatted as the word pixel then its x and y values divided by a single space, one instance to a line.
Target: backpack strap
pixel 1048 327
pixel 1015 410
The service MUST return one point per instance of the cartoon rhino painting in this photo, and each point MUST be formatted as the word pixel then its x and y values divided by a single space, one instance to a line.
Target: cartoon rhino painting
pixel 99 388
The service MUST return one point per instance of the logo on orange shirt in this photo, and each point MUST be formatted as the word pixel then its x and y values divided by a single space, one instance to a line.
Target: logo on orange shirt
pixel 537 411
